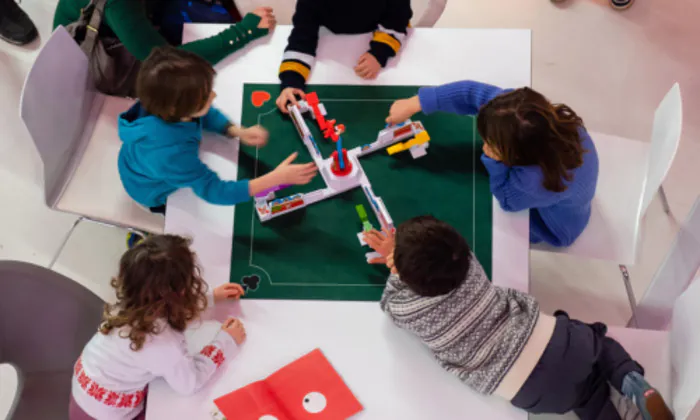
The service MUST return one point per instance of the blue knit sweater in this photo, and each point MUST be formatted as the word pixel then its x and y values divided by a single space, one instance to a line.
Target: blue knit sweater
pixel 557 218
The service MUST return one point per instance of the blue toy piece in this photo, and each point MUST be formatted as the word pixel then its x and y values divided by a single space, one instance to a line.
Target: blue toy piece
pixel 341 161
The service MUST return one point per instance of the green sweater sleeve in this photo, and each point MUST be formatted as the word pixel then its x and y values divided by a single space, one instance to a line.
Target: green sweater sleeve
pixel 129 22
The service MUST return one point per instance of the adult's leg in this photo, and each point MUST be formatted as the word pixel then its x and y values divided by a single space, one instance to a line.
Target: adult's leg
pixel 616 363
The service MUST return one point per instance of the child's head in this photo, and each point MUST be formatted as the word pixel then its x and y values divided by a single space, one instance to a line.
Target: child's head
pixel 431 257
pixel 523 128
pixel 175 85
pixel 158 279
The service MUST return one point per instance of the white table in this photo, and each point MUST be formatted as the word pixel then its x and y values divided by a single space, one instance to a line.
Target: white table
pixel 389 371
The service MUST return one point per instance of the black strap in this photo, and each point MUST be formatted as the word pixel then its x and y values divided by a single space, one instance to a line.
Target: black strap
pixel 92 28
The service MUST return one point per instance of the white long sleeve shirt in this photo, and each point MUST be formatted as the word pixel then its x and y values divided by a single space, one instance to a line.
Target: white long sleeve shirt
pixel 110 379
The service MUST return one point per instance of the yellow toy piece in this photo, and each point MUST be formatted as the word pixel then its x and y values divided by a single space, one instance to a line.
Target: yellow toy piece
pixel 420 138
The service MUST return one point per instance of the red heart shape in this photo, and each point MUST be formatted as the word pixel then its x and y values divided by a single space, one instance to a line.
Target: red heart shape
pixel 259 97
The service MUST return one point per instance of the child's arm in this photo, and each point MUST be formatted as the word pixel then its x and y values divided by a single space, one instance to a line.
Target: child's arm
pixel 391 31
pixel 216 122
pixel 186 170
pixel 131 25
pixel 300 54
pixel 518 188
pixel 393 287
pixel 464 98
pixel 184 372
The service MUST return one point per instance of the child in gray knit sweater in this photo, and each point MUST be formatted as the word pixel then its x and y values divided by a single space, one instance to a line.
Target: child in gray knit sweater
pixel 496 340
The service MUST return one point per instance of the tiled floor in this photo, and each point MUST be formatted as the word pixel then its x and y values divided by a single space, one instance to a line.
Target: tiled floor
pixel 612 68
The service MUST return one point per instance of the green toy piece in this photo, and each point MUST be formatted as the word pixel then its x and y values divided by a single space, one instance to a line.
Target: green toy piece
pixel 366 225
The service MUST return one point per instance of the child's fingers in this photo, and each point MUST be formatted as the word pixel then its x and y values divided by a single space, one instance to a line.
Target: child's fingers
pixel 235 289
pixel 289 159
pixel 379 260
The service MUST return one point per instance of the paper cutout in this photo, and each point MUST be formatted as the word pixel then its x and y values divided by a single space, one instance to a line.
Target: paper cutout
pixel 259 97
pixel 306 389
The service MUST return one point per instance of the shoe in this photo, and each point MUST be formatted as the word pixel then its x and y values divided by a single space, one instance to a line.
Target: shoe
pixel 650 403
pixel 15 25
pixel 621 4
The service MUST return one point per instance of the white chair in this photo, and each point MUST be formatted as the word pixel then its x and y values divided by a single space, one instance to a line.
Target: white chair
pixel 74 130
pixel 674 275
pixel 425 12
pixel 630 174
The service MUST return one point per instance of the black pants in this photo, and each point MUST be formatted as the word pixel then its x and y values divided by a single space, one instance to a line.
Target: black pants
pixel 576 371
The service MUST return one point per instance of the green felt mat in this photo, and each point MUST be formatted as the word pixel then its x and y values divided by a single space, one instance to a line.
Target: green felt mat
pixel 314 253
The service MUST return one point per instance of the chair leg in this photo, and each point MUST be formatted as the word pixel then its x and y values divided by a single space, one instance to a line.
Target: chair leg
pixel 630 295
pixel 664 200
pixel 65 241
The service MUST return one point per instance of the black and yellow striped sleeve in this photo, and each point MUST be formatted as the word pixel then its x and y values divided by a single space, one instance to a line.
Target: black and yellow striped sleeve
pixel 391 31
pixel 300 54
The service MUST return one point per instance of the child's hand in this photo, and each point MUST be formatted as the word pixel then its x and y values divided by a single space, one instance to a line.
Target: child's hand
pixel 296 174
pixel 253 136
pixel 235 329
pixel 289 95
pixel 267 18
pixel 367 66
pixel 403 109
pixel 383 243
pixel 228 291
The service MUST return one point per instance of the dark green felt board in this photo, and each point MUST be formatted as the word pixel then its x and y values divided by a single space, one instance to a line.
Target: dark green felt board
pixel 314 253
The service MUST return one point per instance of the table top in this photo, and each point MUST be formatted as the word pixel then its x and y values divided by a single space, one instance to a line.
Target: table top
pixel 390 372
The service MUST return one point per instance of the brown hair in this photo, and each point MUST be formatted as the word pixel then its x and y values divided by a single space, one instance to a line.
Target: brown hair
pixel 525 129
pixel 158 279
pixel 174 84
pixel 432 258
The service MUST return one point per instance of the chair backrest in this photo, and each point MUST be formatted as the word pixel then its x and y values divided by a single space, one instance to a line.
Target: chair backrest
pixel 675 273
pixel 57 102
pixel 665 137
pixel 45 321
pixel 685 354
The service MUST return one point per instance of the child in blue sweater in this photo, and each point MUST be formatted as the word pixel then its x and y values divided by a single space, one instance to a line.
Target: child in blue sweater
pixel 538 154
pixel 161 135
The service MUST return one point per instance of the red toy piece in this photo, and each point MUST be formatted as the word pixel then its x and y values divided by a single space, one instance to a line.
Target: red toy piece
pixel 306 389
pixel 335 166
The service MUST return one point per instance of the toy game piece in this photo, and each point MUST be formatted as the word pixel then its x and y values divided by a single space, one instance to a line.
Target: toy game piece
pixel 306 389
pixel 366 225
pixel 338 159
pixel 259 97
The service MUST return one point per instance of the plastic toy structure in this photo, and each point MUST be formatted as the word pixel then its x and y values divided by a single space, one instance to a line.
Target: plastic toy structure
pixel 306 389
pixel 342 170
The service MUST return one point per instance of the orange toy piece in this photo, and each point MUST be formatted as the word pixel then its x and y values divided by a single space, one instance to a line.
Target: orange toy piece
pixel 306 389
pixel 259 97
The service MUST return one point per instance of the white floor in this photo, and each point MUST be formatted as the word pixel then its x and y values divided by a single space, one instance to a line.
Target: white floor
pixel 611 67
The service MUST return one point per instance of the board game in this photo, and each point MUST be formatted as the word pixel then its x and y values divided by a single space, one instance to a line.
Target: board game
pixel 301 242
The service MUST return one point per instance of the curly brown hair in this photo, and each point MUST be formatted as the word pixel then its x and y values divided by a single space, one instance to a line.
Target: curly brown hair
pixel 525 129
pixel 158 279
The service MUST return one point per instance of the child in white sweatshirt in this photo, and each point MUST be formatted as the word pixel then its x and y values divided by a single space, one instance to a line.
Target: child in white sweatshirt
pixel 159 291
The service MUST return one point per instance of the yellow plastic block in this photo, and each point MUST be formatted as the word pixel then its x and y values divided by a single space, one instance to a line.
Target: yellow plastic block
pixel 422 137
pixel 396 148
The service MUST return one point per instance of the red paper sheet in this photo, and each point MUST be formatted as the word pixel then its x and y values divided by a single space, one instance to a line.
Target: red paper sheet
pixel 308 388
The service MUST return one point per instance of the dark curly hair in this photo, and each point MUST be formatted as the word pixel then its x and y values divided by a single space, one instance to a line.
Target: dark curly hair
pixel 158 279
pixel 525 129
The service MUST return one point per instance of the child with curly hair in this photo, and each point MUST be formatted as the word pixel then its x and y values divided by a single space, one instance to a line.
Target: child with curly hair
pixel 159 292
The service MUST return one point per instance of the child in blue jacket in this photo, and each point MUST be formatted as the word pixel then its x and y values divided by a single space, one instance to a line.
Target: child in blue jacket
pixel 162 132
pixel 538 154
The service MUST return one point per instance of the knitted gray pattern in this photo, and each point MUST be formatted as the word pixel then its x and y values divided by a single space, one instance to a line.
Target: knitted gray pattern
pixel 476 331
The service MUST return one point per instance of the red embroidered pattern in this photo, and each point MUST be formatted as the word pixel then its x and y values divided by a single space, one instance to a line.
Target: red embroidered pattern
pixel 208 350
pixel 214 353
pixel 110 398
